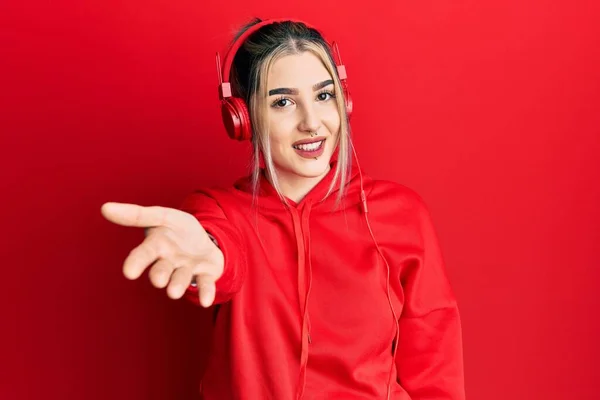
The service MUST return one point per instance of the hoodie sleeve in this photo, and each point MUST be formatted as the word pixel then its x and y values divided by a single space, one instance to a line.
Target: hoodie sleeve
pixel 429 357
pixel 212 218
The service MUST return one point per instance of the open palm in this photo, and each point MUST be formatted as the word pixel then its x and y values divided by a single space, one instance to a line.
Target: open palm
pixel 177 249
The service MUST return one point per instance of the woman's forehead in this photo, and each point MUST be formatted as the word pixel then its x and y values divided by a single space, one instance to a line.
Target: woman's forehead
pixel 297 71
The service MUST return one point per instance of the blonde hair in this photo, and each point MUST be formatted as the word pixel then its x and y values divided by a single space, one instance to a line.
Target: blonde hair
pixel 250 69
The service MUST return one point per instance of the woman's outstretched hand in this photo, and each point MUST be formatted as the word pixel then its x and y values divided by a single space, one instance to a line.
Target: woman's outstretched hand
pixel 177 248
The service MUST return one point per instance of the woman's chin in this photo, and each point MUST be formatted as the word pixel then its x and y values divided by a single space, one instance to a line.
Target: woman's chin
pixel 314 168
pixel 306 168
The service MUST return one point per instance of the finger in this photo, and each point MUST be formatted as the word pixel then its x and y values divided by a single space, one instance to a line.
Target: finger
pixel 140 216
pixel 206 289
pixel 161 272
pixel 180 280
pixel 144 255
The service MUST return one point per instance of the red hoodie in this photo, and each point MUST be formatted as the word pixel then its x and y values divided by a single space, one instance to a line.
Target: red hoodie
pixel 304 306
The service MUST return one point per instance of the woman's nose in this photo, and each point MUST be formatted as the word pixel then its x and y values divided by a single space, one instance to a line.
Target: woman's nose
pixel 311 120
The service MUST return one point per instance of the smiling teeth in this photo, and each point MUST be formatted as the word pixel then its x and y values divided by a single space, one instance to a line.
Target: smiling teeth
pixel 309 147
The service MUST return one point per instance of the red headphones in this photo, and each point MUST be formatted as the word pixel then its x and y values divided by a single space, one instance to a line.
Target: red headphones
pixel 234 110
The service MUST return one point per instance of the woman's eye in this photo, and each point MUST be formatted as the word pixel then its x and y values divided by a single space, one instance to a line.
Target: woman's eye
pixel 280 103
pixel 324 96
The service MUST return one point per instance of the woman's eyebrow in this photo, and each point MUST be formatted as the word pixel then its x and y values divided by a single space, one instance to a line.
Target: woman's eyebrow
pixel 294 91
pixel 282 91
pixel 321 85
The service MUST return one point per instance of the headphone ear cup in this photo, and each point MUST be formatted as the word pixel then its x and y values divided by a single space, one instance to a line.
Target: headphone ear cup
pixel 236 119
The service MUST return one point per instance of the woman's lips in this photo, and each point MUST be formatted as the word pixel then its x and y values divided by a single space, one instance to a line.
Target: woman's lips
pixel 310 148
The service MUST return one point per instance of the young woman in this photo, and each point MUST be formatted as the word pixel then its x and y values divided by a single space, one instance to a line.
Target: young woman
pixel 329 284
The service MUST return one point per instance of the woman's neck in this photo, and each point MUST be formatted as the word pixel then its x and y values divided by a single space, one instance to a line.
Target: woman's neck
pixel 296 187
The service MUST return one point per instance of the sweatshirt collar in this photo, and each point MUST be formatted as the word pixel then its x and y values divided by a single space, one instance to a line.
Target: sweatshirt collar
pixel 267 195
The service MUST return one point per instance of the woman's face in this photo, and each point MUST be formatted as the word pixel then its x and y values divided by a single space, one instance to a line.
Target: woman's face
pixel 301 102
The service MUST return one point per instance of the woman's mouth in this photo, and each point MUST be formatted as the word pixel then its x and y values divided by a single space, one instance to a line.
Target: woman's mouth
pixel 310 150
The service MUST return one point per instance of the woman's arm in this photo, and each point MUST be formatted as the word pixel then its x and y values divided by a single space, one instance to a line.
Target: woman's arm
pixel 229 240
pixel 429 357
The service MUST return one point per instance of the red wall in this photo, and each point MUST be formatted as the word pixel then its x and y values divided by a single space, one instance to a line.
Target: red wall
pixel 489 109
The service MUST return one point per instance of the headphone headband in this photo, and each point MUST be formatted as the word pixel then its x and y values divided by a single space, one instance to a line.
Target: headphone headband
pixel 240 41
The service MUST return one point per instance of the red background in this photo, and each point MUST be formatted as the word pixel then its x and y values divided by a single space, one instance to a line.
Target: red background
pixel 489 110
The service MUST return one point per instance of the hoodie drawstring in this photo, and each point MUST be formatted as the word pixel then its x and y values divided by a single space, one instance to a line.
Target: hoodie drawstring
pixel 302 232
